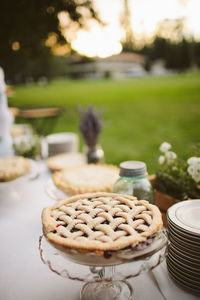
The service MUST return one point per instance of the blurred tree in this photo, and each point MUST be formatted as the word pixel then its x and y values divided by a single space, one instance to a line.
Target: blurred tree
pixel 178 56
pixel 30 29
pixel 125 20
pixel 172 29
pixel 159 48
pixel 171 45
pixel 196 47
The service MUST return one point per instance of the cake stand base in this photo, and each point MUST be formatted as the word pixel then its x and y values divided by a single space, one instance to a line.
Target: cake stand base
pixel 107 290
pixel 103 282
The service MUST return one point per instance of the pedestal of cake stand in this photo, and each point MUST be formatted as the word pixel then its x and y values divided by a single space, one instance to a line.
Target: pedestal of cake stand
pixel 104 282
pixel 106 286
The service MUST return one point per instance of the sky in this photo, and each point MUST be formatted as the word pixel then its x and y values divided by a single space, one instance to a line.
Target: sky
pixel 145 15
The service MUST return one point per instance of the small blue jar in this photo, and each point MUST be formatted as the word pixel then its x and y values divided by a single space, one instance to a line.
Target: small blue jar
pixel 133 181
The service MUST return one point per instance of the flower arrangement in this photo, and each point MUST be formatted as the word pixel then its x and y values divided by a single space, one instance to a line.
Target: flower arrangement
pixel 176 177
pixel 27 145
pixel 90 127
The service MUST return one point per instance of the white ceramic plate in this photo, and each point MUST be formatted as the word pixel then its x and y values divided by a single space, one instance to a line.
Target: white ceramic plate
pixel 188 272
pixel 189 236
pixel 186 214
pixel 183 285
pixel 187 233
pixel 187 259
pixel 185 252
pixel 182 280
pixel 184 247
pixel 194 282
pixel 182 270
pixel 182 237
pixel 181 274
pixel 184 265
pixel 183 234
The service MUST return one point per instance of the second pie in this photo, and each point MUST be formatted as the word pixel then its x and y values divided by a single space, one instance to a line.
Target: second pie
pixel 86 179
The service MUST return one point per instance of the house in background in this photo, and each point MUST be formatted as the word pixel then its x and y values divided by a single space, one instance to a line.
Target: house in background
pixel 118 66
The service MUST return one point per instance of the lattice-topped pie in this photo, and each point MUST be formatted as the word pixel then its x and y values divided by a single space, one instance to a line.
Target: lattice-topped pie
pixel 86 179
pixel 100 222
pixel 12 167
pixel 66 161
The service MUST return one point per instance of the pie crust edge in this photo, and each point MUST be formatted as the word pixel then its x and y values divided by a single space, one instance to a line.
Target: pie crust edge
pixel 54 167
pixel 49 226
pixel 14 173
pixel 70 188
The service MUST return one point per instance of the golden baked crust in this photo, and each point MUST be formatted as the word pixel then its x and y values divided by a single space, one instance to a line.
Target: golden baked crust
pixel 87 179
pixel 100 222
pixel 65 161
pixel 12 167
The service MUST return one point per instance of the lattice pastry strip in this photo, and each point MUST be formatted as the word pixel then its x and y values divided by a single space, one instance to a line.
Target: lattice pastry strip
pixel 100 221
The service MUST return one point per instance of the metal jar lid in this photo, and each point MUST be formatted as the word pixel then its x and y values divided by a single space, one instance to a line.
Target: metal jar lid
pixel 133 169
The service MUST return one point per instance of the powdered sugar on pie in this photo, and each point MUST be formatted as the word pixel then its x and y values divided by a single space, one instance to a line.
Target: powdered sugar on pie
pixel 87 179
pixel 100 222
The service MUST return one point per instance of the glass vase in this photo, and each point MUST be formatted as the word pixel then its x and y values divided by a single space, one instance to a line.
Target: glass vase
pixel 94 154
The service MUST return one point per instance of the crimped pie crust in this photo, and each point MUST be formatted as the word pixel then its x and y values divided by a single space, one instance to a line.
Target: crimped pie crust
pixel 100 222
pixel 12 167
pixel 87 179
pixel 66 161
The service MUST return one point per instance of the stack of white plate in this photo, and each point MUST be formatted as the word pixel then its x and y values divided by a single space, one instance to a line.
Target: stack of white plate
pixel 183 260
pixel 62 142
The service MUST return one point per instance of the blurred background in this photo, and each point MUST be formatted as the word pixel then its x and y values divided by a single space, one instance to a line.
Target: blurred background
pixel 136 61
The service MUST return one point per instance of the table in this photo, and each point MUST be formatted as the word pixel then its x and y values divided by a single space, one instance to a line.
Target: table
pixel 24 276
pixel 43 120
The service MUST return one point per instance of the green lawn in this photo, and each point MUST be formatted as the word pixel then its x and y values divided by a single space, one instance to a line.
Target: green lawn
pixel 138 114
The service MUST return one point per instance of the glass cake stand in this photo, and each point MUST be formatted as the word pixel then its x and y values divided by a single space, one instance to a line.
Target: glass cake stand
pixel 104 281
pixel 53 192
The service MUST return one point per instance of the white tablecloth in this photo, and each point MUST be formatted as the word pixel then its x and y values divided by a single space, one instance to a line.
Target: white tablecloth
pixel 23 275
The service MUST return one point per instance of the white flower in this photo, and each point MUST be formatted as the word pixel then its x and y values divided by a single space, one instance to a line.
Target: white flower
pixel 194 171
pixel 174 168
pixel 164 147
pixel 170 156
pixel 161 159
pixel 196 177
pixel 193 160
pixel 190 170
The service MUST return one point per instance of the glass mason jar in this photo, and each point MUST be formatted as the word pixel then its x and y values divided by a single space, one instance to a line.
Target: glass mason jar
pixel 133 181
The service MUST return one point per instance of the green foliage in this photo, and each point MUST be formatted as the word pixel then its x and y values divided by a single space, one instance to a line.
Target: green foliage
pixel 171 44
pixel 29 23
pixel 177 56
pixel 196 150
pixel 174 179
pixel 137 114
